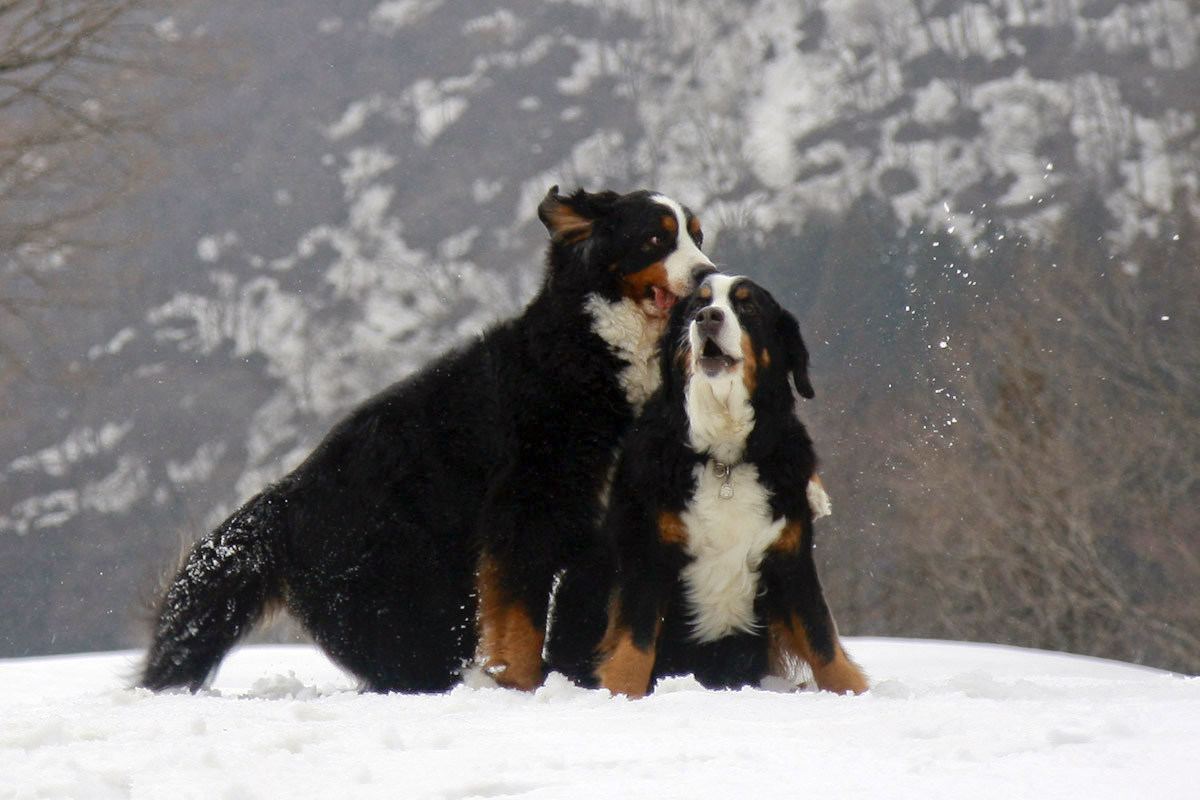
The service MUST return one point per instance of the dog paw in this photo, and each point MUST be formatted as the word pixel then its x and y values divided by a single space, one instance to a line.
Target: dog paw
pixel 818 499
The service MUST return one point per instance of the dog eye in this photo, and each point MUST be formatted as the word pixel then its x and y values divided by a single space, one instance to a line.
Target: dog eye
pixel 653 243
pixel 698 238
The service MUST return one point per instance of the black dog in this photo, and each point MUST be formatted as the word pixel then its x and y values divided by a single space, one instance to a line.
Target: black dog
pixel 712 506
pixel 429 525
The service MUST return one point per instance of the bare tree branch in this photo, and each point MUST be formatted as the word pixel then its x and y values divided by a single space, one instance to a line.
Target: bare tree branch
pixel 1063 511
pixel 85 90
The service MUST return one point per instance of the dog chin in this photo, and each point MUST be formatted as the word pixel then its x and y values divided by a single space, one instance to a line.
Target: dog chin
pixel 712 361
pixel 716 367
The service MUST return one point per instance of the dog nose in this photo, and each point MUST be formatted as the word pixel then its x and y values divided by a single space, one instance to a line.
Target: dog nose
pixel 709 319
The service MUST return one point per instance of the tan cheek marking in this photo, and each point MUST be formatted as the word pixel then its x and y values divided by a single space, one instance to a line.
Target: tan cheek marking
pixel 749 364
pixel 510 645
pixel 636 286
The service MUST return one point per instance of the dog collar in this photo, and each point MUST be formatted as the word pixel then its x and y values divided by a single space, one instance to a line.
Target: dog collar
pixel 724 472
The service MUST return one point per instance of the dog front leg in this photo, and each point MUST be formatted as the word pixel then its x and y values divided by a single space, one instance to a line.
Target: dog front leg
pixel 832 669
pixel 511 636
pixel 800 626
pixel 627 651
pixel 650 556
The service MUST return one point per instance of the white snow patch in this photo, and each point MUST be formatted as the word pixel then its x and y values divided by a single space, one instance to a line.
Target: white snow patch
pixel 391 16
pixel 593 62
pixel 199 467
pixel 483 191
pixel 120 489
pixel 943 720
pixel 435 109
pixel 50 510
pixel 502 26
pixel 209 248
pixel 364 164
pixel 354 117
pixel 80 444
pixel 114 345
pixel 330 25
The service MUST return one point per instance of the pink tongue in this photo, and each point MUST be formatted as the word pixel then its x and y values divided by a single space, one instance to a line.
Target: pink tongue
pixel 664 299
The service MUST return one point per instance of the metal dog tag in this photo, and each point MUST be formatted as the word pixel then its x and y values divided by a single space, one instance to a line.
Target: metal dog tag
pixel 723 471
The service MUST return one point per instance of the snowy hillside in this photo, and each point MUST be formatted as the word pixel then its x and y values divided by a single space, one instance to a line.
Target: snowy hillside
pixel 357 195
pixel 944 720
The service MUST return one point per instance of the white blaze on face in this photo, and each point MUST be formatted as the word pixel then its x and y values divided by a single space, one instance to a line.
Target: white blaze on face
pixel 729 532
pixel 718 405
pixel 729 338
pixel 633 327
pixel 686 256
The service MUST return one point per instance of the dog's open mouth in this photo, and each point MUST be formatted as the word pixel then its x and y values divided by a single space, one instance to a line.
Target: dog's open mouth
pixel 664 299
pixel 713 360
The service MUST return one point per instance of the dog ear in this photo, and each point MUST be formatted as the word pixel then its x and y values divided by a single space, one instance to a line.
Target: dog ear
pixel 796 352
pixel 675 349
pixel 570 219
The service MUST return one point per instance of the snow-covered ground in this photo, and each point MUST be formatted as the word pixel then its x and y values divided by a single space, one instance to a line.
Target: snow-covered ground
pixel 944 720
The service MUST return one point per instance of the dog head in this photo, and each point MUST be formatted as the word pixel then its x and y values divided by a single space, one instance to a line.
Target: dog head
pixel 735 350
pixel 639 249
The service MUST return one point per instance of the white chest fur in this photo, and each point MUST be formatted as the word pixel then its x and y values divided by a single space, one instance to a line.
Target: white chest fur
pixel 633 337
pixel 720 416
pixel 727 539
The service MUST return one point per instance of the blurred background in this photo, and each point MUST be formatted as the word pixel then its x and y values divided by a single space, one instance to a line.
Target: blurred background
pixel 223 226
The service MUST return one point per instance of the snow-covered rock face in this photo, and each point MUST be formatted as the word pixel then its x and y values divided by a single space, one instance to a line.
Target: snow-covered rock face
pixel 943 720
pixel 363 198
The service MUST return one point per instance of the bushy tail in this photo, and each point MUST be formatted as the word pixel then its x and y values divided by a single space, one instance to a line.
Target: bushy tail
pixel 217 596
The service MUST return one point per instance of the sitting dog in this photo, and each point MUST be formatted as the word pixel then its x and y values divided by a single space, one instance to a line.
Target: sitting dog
pixel 712 506
pixel 429 525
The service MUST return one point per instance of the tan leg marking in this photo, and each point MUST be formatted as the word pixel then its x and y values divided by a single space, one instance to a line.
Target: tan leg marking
pixel 789 641
pixel 510 645
pixel 624 667
pixel 790 538
pixel 672 530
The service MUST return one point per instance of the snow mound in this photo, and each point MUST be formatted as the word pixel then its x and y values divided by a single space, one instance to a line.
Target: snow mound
pixel 943 720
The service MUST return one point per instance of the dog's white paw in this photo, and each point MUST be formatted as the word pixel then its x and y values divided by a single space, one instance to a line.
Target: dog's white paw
pixel 818 500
